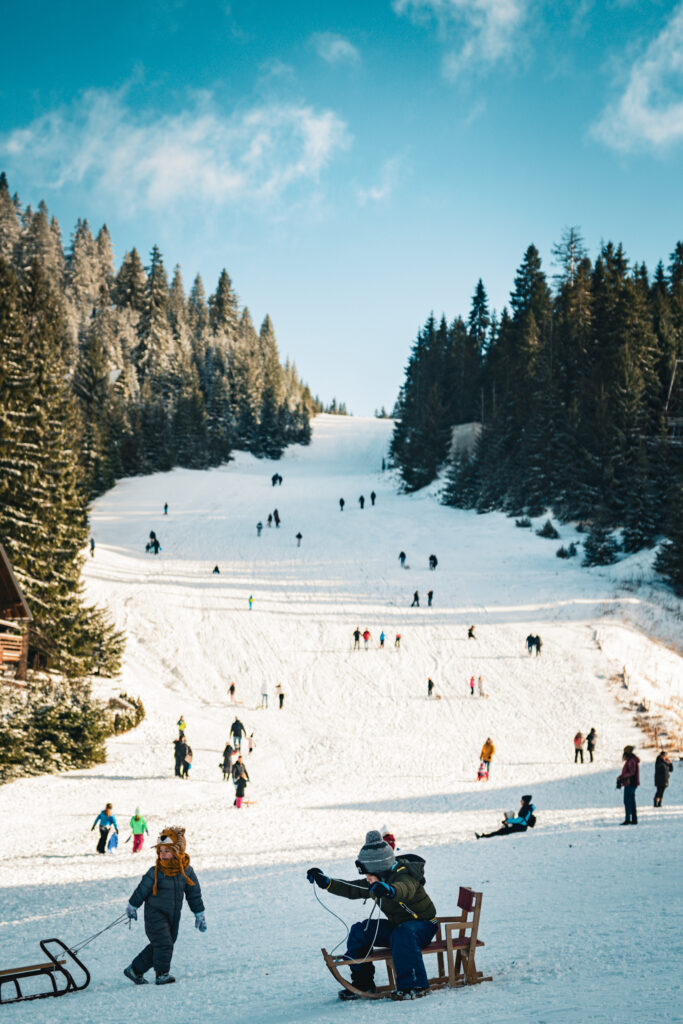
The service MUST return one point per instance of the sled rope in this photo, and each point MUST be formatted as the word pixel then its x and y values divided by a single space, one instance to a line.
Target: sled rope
pixel 86 942
pixel 375 906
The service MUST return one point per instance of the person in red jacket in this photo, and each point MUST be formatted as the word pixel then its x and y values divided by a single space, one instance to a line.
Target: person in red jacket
pixel 629 780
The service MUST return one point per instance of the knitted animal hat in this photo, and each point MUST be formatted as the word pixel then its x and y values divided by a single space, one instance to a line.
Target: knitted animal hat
pixel 376 856
pixel 172 838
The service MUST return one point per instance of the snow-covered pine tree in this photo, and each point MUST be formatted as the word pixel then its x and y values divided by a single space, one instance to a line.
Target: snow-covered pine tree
pixel 43 510
pixel 669 560
pixel 10 222
pixel 271 431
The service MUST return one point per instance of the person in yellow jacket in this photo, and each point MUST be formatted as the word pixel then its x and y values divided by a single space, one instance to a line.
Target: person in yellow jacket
pixel 487 752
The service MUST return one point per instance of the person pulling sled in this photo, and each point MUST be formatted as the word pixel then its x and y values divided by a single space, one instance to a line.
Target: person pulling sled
pixel 162 890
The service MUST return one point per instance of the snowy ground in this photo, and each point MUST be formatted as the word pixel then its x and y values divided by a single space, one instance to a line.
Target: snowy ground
pixel 581 918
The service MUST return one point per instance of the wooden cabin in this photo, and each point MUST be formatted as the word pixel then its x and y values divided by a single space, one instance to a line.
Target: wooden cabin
pixel 15 617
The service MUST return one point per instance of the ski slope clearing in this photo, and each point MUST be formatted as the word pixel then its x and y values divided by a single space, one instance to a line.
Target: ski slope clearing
pixel 581 918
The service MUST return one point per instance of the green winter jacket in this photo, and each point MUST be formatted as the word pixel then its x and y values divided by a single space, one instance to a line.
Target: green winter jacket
pixel 138 825
pixel 411 900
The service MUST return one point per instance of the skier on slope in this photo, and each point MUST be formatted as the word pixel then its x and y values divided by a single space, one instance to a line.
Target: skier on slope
pixel 396 885
pixel 162 890
pixel 356 639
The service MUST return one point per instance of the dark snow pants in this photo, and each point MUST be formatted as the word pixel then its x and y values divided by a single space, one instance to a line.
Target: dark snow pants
pixel 630 804
pixel 506 830
pixel 406 941
pixel 162 933
pixel 658 795
pixel 102 841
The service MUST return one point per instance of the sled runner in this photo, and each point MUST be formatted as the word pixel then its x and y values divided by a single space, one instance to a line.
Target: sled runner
pixel 455 943
pixel 58 970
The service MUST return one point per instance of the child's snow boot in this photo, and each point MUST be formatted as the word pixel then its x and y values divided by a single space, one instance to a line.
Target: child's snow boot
pixel 164 979
pixel 137 979
pixel 408 993
pixel 346 995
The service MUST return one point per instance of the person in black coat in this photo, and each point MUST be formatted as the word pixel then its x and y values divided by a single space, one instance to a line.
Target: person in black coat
pixel 180 753
pixel 237 731
pixel 162 890
pixel 227 761
pixel 663 769
pixel 240 777
pixel 591 742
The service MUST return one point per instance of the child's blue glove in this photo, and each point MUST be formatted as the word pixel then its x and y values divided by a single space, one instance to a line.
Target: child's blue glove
pixel 317 876
pixel 200 921
pixel 131 912
pixel 381 889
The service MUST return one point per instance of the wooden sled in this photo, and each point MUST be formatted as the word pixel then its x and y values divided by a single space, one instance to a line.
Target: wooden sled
pixel 455 954
pixel 58 970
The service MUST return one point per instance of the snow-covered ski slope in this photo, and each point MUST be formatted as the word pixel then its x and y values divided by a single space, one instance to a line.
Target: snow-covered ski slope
pixel 581 918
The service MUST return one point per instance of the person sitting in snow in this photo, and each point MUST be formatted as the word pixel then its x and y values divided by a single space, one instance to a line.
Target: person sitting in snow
pixel 519 822
pixel 396 884
pixel 162 889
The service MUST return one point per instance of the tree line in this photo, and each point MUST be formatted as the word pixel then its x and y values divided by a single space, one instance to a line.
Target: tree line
pixel 577 388
pixel 104 374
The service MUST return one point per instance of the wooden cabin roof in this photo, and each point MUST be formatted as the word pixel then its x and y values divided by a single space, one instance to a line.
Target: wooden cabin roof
pixel 12 601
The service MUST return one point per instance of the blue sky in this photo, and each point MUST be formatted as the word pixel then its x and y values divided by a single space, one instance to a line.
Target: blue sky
pixel 353 165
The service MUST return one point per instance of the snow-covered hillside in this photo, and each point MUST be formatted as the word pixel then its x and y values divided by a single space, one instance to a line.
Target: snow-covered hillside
pixel 582 919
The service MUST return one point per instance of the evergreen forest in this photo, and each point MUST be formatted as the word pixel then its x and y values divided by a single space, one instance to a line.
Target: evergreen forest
pixel 575 391
pixel 105 374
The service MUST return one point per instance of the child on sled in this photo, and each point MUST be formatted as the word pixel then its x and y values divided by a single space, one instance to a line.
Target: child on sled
pixel 162 890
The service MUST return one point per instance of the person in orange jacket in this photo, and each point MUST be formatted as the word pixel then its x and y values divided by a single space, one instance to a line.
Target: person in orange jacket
pixel 487 752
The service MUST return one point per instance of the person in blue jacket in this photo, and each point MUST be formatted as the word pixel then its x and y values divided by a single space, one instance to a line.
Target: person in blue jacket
pixel 106 820
pixel 162 890
pixel 520 822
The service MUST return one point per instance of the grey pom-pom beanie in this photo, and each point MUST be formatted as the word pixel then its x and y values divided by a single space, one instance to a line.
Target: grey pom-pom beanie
pixel 376 856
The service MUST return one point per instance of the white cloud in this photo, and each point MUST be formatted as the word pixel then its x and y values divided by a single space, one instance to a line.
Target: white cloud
pixel 650 110
pixel 489 29
pixel 388 180
pixel 200 153
pixel 334 49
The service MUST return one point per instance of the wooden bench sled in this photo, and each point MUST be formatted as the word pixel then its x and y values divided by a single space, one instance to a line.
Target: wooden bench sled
pixel 58 970
pixel 455 944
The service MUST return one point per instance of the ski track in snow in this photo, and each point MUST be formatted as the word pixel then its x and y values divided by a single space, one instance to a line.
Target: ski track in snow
pixel 582 919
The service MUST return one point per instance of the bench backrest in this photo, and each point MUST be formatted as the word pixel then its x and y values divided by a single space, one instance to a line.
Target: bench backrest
pixel 466 899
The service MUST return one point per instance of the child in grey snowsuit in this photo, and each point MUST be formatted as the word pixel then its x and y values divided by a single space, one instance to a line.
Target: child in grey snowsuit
pixel 162 890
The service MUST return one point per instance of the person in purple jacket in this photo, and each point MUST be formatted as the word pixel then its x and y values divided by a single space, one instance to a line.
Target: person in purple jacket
pixel 628 781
